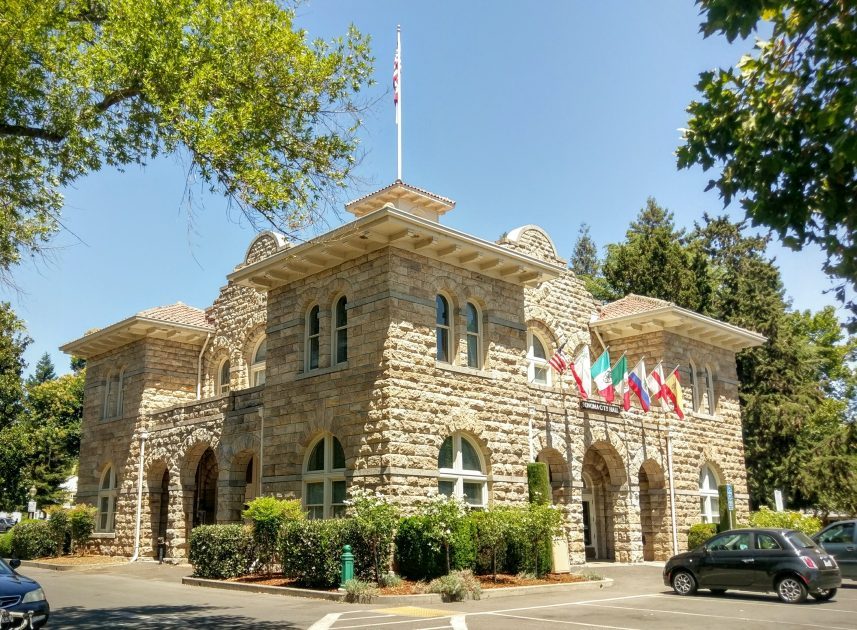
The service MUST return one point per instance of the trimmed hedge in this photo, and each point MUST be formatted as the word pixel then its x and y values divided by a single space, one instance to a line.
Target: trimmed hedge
pixel 538 483
pixel 220 551
pixel 699 533
pixel 312 551
pixel 419 557
pixel 766 517
pixel 33 539
pixel 6 545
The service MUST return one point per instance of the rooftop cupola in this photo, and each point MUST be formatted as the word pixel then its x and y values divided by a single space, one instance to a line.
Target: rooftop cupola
pixel 403 197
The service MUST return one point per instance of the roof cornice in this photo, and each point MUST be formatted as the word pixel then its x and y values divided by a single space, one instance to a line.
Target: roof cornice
pixel 133 329
pixel 391 227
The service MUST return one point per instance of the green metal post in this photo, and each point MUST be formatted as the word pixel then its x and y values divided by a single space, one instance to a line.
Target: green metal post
pixel 347 565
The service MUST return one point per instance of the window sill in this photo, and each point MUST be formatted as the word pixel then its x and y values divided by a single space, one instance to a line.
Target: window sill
pixel 320 371
pixel 460 369
pixel 702 416
pixel 103 535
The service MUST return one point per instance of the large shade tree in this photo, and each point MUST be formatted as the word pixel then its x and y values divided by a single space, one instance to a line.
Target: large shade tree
pixel 262 114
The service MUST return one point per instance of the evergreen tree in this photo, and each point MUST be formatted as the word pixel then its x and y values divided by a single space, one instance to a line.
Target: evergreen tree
pixel 584 259
pixel 14 443
pixel 77 364
pixel 44 371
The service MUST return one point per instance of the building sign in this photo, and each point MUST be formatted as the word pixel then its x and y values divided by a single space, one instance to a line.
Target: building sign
pixel 600 406
pixel 730 498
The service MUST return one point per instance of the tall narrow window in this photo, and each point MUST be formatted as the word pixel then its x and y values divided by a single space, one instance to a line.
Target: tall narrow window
pixel 694 386
pixel 113 395
pixel 106 501
pixel 474 337
pixel 324 479
pixel 442 323
pixel 460 471
pixel 313 329
pixel 709 500
pixel 340 334
pixel 223 378
pixel 257 366
pixel 709 391
pixel 537 360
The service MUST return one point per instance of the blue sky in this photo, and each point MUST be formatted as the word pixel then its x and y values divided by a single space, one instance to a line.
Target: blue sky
pixel 554 113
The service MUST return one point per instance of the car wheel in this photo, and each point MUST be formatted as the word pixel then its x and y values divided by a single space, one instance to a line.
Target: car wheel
pixel 824 594
pixel 718 591
pixel 791 590
pixel 684 583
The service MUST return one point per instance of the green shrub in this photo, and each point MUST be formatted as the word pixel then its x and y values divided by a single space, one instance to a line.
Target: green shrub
pixel 268 516
pixel 456 586
pixel 81 523
pixel 220 551
pixel 390 579
pixel 58 524
pixel 6 545
pixel 785 520
pixel 492 527
pixel 699 533
pixel 419 555
pixel 538 482
pixel 33 539
pixel 360 592
pixel 375 519
pixel 311 551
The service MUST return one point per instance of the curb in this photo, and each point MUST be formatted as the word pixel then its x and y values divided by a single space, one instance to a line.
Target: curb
pixel 68 567
pixel 424 598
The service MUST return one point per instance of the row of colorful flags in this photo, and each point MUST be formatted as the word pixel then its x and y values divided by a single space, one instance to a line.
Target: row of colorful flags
pixel 612 382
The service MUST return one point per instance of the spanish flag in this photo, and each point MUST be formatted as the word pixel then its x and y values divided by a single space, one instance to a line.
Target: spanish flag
pixel 674 394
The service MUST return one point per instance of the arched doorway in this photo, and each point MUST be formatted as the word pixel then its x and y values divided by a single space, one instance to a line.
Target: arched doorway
pixel 205 490
pixel 653 511
pixel 163 510
pixel 605 487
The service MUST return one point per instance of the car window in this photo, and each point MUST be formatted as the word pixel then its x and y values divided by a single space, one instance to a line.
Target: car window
pixel 840 533
pixel 5 569
pixel 800 540
pixel 730 542
pixel 766 541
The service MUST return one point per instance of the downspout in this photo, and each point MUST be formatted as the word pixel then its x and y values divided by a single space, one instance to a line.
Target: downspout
pixel 143 437
pixel 199 367
pixel 261 449
pixel 672 491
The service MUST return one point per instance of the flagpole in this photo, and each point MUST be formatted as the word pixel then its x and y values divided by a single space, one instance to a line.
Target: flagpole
pixel 399 105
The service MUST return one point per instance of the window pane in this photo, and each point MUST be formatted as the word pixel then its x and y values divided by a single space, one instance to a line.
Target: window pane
pixel 337 511
pixel 446 488
pixel 105 483
pixel 224 377
pixel 341 313
pixel 315 494
pixel 472 319
pixel 472 351
pixel 111 523
pixel 338 454
pixel 443 345
pixel 315 512
pixel 469 457
pixel 540 374
pixel 338 488
pixel 715 507
pixel 313 353
pixel 445 457
pixel 341 346
pixel 473 493
pixel 261 352
pixel 258 378
pixel 316 459
pixel 538 348
pixel 441 311
pixel 313 321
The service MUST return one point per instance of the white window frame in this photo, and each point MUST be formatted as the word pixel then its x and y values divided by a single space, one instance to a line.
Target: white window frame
pixel 474 335
pixel 257 368
pixel 696 399
pixel 223 385
pixel 327 476
pixel 448 327
pixel 709 497
pixel 113 399
pixel 534 362
pixel 458 475
pixel 709 389
pixel 310 337
pixel 108 493
pixel 339 330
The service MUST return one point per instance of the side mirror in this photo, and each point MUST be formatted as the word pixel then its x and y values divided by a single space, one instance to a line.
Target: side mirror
pixel 14 563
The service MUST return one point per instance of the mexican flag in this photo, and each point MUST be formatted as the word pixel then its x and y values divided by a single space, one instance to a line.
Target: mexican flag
pixel 601 376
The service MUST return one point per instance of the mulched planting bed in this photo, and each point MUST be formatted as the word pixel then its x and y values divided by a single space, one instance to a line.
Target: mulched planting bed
pixel 81 560
pixel 408 587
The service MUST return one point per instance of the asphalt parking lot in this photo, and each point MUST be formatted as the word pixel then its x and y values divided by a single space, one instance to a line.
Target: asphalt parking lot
pixel 151 596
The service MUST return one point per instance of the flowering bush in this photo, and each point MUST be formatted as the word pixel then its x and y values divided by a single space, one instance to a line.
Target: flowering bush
pixel 311 551
pixel 375 520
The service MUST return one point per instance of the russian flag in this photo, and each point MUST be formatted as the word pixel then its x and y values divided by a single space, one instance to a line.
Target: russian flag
pixel 636 381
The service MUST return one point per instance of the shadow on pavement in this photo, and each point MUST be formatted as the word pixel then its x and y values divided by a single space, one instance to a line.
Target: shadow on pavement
pixel 138 617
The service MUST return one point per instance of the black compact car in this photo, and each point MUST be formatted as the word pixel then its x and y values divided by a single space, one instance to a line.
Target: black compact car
pixel 839 539
pixel 19 594
pixel 780 560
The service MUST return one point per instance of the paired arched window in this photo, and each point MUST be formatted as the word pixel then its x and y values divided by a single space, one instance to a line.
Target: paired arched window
pixel 537 360
pixel 340 331
pixel 324 479
pixel 223 378
pixel 106 501
pixel 694 387
pixel 474 336
pixel 257 364
pixel 461 472
pixel 709 391
pixel 113 394
pixel 709 500
pixel 313 335
pixel 443 327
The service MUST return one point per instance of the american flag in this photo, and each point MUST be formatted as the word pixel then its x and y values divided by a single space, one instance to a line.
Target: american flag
pixel 396 76
pixel 559 361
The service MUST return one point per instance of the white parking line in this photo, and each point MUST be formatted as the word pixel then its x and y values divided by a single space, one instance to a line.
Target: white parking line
pixel 728 600
pixel 691 614
pixel 325 622
pixel 457 622
pixel 570 623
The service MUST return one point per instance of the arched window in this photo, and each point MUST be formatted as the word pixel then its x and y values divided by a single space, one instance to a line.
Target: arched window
pixel 223 378
pixel 444 329
pixel 474 337
pixel 340 331
pixel 537 360
pixel 113 395
pixel 324 479
pixel 709 391
pixel 694 387
pixel 106 501
pixel 709 501
pixel 257 365
pixel 461 472
pixel 313 332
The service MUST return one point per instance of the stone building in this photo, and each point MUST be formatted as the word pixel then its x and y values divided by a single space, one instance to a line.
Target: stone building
pixel 400 355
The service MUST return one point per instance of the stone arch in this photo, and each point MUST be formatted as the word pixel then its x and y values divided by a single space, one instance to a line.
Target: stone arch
pixel 610 500
pixel 190 452
pixel 338 287
pixel 265 244
pixel 211 377
pixel 468 423
pixel 559 474
pixel 653 511
pixel 160 488
pixel 535 241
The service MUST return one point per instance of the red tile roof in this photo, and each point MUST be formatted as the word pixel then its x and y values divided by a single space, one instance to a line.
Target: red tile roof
pixel 177 313
pixel 631 304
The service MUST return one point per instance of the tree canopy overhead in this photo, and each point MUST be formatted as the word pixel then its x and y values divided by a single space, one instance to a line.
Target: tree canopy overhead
pixel 266 117
pixel 781 125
